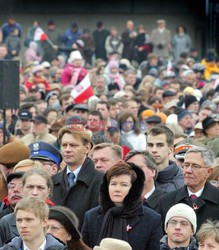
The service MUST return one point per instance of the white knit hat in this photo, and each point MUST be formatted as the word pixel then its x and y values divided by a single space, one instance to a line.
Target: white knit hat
pixel 113 244
pixel 182 210
pixel 37 68
pixel 75 55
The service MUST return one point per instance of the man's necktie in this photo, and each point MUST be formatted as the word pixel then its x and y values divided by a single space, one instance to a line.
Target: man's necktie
pixel 71 179
pixel 193 197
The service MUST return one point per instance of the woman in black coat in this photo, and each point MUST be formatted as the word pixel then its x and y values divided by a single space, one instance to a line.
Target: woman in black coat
pixel 120 214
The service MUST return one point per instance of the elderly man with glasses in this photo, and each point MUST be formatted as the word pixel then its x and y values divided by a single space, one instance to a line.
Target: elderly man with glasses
pixel 197 192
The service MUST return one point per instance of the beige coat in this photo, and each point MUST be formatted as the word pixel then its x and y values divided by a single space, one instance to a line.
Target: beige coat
pixel 161 38
pixel 46 137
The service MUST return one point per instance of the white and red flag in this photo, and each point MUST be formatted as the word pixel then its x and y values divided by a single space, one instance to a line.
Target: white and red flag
pixel 83 90
pixel 40 35
pixel 169 67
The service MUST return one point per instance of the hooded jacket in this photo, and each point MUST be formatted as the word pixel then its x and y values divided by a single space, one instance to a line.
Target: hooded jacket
pixel 164 246
pixel 146 223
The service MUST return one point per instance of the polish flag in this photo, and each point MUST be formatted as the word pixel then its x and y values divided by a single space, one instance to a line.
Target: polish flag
pixel 83 90
pixel 40 35
pixel 169 66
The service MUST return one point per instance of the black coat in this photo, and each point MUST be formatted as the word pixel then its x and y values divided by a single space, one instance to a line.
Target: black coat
pixel 100 39
pixel 207 203
pixel 83 195
pixel 153 200
pixel 143 228
pixel 144 234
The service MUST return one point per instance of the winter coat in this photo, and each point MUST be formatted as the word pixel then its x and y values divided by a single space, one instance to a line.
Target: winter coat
pixel 30 55
pixel 181 43
pixel 128 49
pixel 138 141
pixel 114 44
pixel 7 29
pixel 13 43
pixel 83 195
pixel 143 229
pixel 100 39
pixel 51 243
pixel 70 37
pixel 153 200
pixel 161 41
pixel 170 178
pixel 68 73
pixel 46 137
pixel 33 80
pixel 208 201
pixel 164 246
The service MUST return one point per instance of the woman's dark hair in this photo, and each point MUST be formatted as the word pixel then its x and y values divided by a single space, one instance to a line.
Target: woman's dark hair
pixel 181 26
pixel 121 168
pixel 122 121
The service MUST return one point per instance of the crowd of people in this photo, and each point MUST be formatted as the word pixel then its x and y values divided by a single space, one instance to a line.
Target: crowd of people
pixel 132 163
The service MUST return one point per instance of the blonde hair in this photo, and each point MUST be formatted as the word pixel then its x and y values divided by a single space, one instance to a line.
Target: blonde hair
pixel 27 164
pixel 208 229
pixel 76 130
pixel 34 205
pixel 41 172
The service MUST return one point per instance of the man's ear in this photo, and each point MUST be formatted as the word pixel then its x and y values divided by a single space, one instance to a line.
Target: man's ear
pixel 45 220
pixel 210 171
pixel 54 169
pixel 171 148
pixel 87 148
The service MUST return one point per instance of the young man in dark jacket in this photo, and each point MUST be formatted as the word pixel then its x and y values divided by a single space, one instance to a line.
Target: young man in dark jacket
pixel 160 145
pixel 31 218
pixel 180 225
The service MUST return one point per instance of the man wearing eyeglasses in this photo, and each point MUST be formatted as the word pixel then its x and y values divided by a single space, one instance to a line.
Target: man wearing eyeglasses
pixel 197 192
pixel 180 225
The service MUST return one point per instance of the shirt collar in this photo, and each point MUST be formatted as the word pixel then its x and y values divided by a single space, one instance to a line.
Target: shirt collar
pixel 149 193
pixel 199 193
pixel 76 171
pixel 42 246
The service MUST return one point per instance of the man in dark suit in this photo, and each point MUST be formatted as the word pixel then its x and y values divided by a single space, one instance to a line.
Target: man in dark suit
pixel 151 194
pixel 197 192
pixel 77 185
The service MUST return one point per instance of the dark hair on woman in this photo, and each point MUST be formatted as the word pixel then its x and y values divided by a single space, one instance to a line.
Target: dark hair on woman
pixel 121 168
pixel 123 122
pixel 181 26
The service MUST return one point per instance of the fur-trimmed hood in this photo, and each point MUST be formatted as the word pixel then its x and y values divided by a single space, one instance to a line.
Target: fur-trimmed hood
pixel 134 195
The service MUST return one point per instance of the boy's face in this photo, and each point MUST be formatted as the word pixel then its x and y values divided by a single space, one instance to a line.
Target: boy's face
pixel 29 226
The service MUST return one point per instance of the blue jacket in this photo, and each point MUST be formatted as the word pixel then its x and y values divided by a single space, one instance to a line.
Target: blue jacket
pixel 70 37
pixel 51 243
pixel 7 29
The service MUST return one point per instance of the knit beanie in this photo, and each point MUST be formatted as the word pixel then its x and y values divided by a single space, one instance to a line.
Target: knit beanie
pixel 67 218
pixel 181 113
pixel 113 64
pixel 189 99
pixel 75 55
pixel 182 210
pixel 147 113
